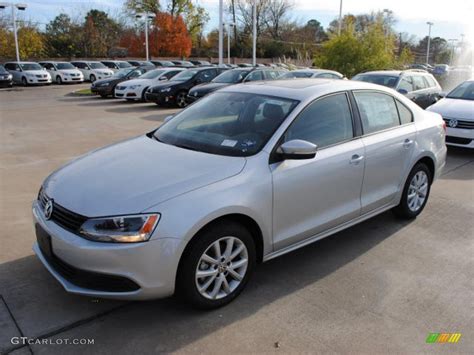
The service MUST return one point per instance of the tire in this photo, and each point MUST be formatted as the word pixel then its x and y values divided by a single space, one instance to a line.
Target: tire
pixel 415 192
pixel 59 81
pixel 200 257
pixel 143 94
pixel 92 78
pixel 104 96
pixel 181 99
pixel 24 82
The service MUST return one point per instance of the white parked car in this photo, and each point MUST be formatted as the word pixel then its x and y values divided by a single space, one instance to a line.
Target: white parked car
pixel 457 109
pixel 93 71
pixel 63 72
pixel 28 73
pixel 135 89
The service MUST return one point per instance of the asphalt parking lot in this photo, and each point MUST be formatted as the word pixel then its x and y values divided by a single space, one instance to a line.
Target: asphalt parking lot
pixel 381 286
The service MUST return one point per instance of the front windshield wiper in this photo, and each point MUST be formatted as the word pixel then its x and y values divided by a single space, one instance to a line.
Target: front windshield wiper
pixel 175 145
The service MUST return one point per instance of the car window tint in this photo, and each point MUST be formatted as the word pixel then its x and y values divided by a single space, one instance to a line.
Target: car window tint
pixel 377 111
pixel 254 76
pixel 328 76
pixel 324 122
pixel 405 114
pixel 419 83
pixel 406 84
pixel 272 74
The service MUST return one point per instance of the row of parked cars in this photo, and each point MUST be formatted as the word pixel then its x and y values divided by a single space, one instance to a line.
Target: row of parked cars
pixel 60 72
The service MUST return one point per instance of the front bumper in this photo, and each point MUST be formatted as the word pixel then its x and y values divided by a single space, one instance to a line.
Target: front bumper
pixel 460 137
pixel 38 81
pixel 151 265
pixel 102 90
pixel 128 94
pixel 6 83
pixel 160 98
pixel 72 79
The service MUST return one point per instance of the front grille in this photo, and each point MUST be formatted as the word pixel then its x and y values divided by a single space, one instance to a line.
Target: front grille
pixel 460 123
pixel 458 140
pixel 67 219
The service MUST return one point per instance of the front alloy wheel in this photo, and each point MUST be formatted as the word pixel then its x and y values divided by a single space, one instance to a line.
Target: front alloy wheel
pixel 181 99
pixel 216 265
pixel 59 80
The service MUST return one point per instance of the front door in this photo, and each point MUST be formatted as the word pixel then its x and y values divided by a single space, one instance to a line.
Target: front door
pixel 313 195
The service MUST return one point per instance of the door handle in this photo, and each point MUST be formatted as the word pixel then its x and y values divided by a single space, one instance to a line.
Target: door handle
pixel 356 159
pixel 407 143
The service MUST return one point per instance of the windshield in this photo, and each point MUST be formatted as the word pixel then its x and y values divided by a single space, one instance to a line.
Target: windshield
pixel 234 124
pixel 164 63
pixel 97 65
pixel 3 70
pixel 152 74
pixel 380 79
pixel 65 65
pixel 231 77
pixel 298 74
pixel 31 66
pixel 465 91
pixel 122 73
pixel 185 75
pixel 123 65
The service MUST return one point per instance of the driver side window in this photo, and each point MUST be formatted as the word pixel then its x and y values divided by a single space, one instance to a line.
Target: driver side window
pixel 324 122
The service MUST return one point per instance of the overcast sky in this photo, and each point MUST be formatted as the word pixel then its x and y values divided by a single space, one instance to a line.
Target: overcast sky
pixel 451 17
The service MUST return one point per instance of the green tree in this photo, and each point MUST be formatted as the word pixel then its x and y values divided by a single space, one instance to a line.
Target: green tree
pixel 62 38
pixel 101 33
pixel 30 41
pixel 134 6
pixel 351 53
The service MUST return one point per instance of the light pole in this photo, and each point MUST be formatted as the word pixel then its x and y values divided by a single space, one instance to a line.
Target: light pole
pixel 229 25
pixel 21 7
pixel 429 40
pixel 452 40
pixel 254 36
pixel 221 32
pixel 147 16
pixel 340 19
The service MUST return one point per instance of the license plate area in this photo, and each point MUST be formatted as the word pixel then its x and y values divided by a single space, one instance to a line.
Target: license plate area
pixel 44 241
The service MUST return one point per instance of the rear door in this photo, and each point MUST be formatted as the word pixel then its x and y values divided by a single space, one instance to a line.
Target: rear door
pixel 389 139
pixel 421 92
pixel 313 195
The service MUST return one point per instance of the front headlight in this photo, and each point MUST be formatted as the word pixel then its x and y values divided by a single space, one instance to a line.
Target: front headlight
pixel 133 87
pixel 120 229
pixel 165 90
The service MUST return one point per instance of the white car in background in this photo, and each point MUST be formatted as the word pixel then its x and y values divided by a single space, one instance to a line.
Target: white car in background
pixel 93 71
pixel 116 65
pixel 28 73
pixel 135 89
pixel 457 109
pixel 63 72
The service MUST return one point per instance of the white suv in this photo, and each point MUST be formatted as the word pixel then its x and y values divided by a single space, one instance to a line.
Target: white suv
pixel 63 72
pixel 93 71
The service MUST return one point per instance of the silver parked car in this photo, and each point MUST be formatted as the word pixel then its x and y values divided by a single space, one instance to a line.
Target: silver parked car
pixel 242 176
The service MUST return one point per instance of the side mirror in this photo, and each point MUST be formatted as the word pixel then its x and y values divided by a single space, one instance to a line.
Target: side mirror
pixel 162 78
pixel 442 94
pixel 168 118
pixel 402 91
pixel 297 149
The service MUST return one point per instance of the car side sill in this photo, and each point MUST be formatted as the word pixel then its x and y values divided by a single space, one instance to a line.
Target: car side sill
pixel 328 232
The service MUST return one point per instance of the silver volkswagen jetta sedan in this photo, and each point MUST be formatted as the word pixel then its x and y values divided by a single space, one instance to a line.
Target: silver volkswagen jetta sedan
pixel 244 175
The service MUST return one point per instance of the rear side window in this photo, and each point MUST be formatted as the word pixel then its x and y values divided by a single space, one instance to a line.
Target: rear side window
pixel 324 122
pixel 405 114
pixel 406 84
pixel 377 111
pixel 79 65
pixel 254 76
pixel 419 83
pixel 109 65
pixel 431 81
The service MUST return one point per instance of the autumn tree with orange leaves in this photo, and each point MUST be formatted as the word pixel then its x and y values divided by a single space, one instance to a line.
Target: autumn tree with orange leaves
pixel 168 38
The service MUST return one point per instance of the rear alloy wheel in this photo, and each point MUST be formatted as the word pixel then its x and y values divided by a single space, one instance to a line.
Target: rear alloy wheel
pixel 24 81
pixel 92 78
pixel 217 266
pixel 415 193
pixel 181 99
pixel 59 81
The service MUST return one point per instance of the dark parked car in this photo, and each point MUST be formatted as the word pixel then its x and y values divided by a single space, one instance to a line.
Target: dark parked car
pixel 163 63
pixel 174 91
pixel 418 85
pixel 201 63
pixel 6 79
pixel 106 87
pixel 142 63
pixel 234 76
pixel 183 63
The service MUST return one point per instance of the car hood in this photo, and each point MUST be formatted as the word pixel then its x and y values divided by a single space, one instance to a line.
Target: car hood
pixel 70 71
pixel 207 88
pixel 167 84
pixel 109 80
pixel 134 175
pixel 37 72
pixel 141 82
pixel 454 108
pixel 104 71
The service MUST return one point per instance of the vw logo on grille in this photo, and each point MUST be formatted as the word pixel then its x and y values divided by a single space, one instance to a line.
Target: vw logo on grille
pixel 48 209
pixel 453 123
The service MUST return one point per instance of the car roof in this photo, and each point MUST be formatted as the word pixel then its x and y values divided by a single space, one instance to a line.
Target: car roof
pixel 382 72
pixel 302 89
pixel 20 62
